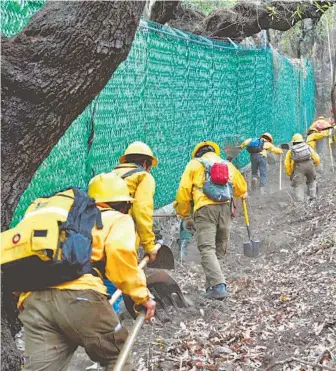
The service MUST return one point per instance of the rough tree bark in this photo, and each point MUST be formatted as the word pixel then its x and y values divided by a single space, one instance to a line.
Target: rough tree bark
pixel 163 11
pixel 243 20
pixel 50 72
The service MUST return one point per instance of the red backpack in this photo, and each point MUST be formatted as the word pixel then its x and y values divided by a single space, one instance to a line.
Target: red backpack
pixel 217 186
pixel 219 173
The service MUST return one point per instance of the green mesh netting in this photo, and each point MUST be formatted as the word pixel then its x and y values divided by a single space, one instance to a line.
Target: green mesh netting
pixel 174 90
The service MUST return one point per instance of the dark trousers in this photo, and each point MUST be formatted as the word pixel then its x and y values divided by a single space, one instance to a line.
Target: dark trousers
pixel 56 322
pixel 259 167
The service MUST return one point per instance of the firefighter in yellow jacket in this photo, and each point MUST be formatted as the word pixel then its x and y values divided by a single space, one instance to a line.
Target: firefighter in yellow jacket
pixel 313 136
pixel 321 129
pixel 300 163
pixel 135 166
pixel 258 147
pixel 77 313
pixel 212 218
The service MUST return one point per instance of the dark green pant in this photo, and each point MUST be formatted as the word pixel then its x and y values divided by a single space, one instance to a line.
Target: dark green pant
pixel 213 224
pixel 56 322
pixel 304 173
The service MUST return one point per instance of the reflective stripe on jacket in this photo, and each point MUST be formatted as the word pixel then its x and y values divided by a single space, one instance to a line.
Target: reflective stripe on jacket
pixel 115 244
pixel 142 187
pixel 191 184
pixel 289 163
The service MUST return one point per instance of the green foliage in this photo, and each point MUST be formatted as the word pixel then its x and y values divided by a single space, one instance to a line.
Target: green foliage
pixel 272 11
pixel 322 7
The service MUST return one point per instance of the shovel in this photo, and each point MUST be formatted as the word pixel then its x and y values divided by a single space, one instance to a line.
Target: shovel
pixel 232 152
pixel 251 248
pixel 164 260
pixel 166 292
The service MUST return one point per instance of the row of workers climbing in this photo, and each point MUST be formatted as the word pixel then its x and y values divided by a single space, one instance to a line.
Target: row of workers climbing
pixel 75 311
pixel 58 318
pixel 300 160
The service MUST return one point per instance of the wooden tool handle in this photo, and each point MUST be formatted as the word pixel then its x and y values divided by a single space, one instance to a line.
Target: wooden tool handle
pixel 245 212
pixel 280 173
pixel 142 265
pixel 164 215
pixel 129 342
pixel 330 151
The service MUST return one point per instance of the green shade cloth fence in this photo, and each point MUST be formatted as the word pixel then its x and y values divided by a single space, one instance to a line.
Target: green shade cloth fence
pixel 174 90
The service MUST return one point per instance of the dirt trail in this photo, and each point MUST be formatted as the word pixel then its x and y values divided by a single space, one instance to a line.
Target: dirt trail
pixel 281 304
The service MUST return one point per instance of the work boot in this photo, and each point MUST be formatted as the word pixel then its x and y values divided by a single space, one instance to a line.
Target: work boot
pixel 254 182
pixel 262 191
pixel 218 292
pixel 299 193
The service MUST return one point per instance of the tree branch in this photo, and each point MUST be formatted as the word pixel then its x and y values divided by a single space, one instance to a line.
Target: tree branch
pixel 163 11
pixel 243 20
pixel 247 19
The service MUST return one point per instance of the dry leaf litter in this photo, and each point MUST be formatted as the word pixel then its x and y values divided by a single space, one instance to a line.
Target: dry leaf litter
pixel 281 310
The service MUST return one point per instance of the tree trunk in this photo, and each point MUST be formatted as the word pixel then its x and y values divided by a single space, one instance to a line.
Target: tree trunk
pixel 50 72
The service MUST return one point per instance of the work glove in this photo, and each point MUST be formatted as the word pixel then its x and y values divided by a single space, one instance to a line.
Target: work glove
pixel 189 224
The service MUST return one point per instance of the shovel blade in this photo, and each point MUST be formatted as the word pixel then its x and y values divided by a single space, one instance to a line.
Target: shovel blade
pixel 251 248
pixel 165 290
pixel 164 259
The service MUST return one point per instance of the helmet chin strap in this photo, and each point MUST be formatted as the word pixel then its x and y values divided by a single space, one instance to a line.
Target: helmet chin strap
pixel 122 207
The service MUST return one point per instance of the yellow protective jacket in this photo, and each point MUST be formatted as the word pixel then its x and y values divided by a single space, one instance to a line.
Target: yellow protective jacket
pixel 192 181
pixel 115 244
pixel 142 187
pixel 267 147
pixel 314 137
pixel 290 165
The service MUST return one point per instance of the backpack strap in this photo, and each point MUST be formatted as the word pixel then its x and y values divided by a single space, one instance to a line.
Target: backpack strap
pixel 205 163
pixel 138 169
pixel 207 167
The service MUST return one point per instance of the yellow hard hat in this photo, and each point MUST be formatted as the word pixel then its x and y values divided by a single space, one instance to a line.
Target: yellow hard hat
pixel 297 138
pixel 139 148
pixel 214 145
pixel 267 136
pixel 109 187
